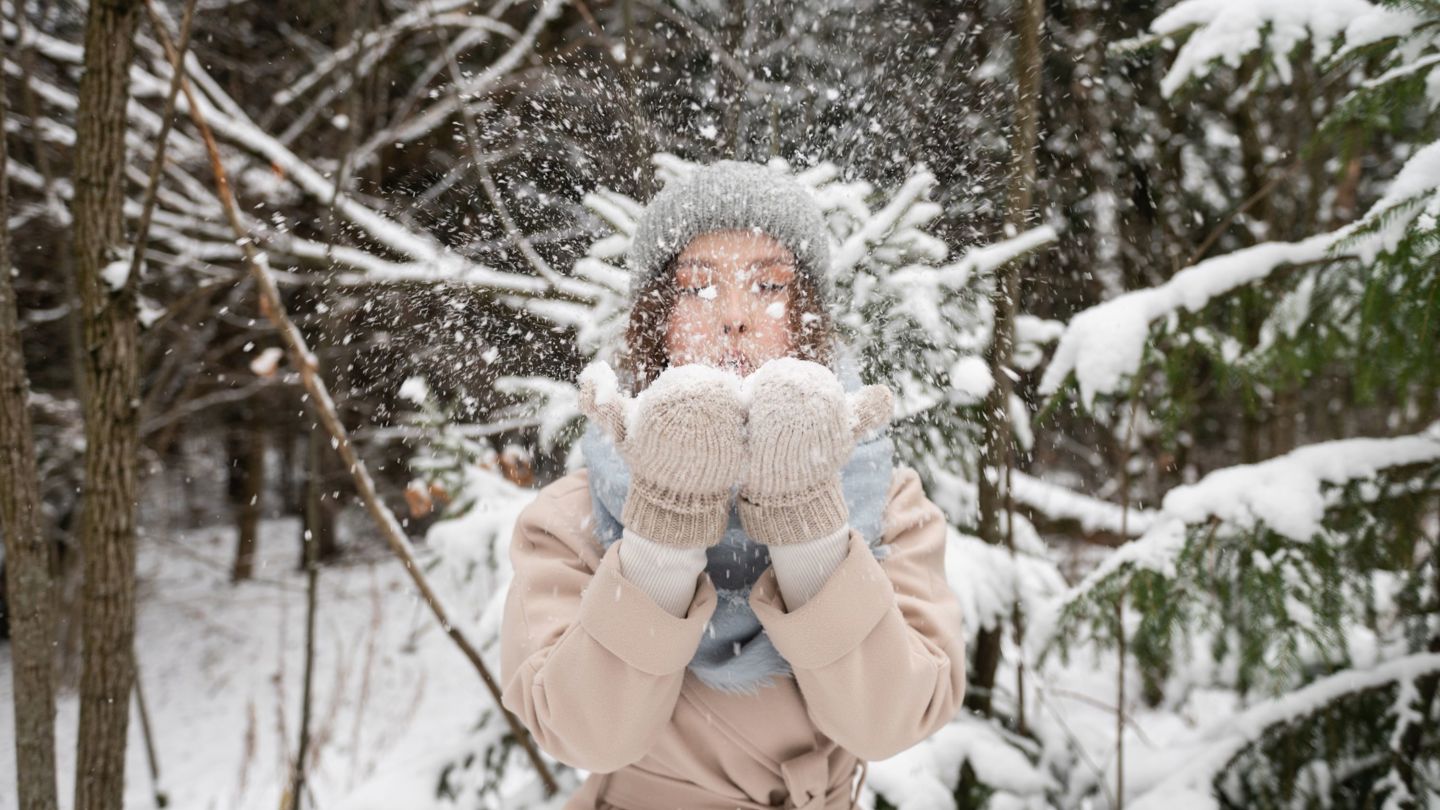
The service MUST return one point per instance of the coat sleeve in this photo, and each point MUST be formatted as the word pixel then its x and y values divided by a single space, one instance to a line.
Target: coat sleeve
pixel 879 652
pixel 589 662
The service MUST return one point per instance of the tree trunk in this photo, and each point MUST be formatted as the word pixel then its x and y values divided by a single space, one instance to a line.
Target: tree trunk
pixel 289 484
pixel 319 517
pixel 111 407
pixel 248 484
pixel 998 435
pixel 27 559
pixel 302 749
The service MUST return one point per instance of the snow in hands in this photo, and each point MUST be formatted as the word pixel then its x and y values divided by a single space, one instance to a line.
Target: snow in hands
pixel 600 391
pixel 600 388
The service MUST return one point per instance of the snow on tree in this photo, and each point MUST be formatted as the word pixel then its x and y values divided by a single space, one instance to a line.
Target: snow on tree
pixel 1308 571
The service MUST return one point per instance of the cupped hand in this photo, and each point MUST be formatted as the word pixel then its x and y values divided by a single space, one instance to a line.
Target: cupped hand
pixel 684 438
pixel 803 427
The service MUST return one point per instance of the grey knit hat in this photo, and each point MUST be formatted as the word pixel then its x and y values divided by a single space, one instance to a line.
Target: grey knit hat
pixel 730 194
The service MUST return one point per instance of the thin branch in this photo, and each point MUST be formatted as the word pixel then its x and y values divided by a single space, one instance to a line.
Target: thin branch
pixel 1224 224
pixel 437 114
pixel 482 169
pixel 161 800
pixel 272 306
pixel 142 232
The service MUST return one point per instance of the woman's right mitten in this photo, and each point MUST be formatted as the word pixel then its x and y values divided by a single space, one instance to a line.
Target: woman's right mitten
pixel 684 438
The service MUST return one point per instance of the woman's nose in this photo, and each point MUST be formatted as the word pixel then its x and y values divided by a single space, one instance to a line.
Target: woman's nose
pixel 734 312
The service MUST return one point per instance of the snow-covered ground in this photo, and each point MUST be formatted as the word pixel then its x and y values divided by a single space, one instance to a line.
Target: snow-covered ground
pixel 222 669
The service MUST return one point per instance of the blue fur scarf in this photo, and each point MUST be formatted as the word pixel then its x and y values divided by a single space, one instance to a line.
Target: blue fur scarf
pixel 735 655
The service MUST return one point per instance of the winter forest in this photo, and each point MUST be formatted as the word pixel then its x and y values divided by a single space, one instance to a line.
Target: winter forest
pixel 296 295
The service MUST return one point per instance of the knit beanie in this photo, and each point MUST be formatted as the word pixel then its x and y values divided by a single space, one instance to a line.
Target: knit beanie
pixel 730 194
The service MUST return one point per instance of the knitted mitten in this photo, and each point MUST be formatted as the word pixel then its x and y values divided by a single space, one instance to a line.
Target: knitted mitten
pixel 684 440
pixel 803 428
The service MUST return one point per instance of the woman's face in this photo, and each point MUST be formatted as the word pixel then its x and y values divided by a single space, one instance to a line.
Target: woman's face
pixel 731 309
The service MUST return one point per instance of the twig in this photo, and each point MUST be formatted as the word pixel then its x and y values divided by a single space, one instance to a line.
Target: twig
pixel 161 800
pixel 312 577
pixel 481 166
pixel 189 408
pixel 272 307
pixel 312 561
pixel 142 231
pixel 1224 224
pixel 53 206
pixel 1078 746
pixel 220 569
pixel 1100 704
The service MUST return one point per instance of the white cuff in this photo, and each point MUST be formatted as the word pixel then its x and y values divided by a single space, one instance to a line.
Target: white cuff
pixel 802 569
pixel 669 574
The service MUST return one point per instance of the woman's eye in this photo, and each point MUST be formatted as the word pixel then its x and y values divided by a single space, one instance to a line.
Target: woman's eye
pixel 707 291
pixel 772 287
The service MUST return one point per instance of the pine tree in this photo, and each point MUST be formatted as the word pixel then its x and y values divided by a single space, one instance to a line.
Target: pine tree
pixel 1308 575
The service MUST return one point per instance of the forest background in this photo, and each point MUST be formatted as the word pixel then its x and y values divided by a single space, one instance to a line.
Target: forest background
pixel 1155 284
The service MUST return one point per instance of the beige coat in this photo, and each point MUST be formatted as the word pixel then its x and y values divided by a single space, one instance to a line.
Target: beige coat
pixel 597 670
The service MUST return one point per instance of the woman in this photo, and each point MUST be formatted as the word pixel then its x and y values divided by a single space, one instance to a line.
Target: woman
pixel 740 600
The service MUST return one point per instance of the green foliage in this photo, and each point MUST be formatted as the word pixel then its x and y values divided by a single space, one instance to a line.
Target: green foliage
pixel 448 454
pixel 1275 608
pixel 1342 755
pixel 1393 98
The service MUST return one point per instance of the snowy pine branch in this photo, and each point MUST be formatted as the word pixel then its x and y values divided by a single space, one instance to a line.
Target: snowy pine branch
pixel 1192 784
pixel 1269 531
pixel 1284 493
pixel 1102 346
pixel 1226 31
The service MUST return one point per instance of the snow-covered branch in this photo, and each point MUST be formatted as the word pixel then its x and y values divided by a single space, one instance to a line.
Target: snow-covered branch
pixel 921 288
pixel 888 222
pixel 422 257
pixel 1103 345
pixel 1062 503
pixel 443 110
pixel 378 43
pixel 1191 785
pixel 1228 30
pixel 1285 494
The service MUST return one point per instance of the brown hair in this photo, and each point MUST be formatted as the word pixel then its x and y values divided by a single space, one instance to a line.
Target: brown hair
pixel 643 356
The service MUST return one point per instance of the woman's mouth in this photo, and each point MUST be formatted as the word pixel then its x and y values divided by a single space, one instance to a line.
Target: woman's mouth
pixel 736 363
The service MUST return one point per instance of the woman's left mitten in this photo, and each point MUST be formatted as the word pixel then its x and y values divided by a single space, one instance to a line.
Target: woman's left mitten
pixel 803 428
